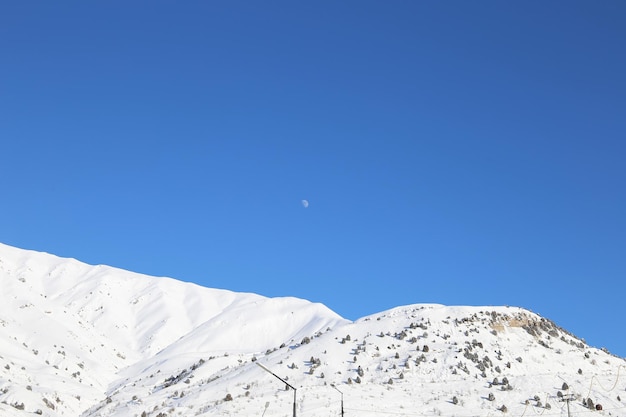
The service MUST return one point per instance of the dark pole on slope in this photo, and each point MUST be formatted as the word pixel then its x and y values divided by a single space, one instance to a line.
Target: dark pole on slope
pixel 335 387
pixel 284 382
pixel 568 398
pixel 568 407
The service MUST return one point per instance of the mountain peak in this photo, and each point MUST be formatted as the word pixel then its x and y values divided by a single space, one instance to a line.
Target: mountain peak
pixel 99 341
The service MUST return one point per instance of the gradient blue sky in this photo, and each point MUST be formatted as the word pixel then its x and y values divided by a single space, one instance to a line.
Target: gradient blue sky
pixel 452 152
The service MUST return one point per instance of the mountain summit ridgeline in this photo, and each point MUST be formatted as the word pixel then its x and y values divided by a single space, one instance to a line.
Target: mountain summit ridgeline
pixel 82 340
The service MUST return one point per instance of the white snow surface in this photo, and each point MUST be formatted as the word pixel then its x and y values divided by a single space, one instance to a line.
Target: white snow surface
pixel 83 340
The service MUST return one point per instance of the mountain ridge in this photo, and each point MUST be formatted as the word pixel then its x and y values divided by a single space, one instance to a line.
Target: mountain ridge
pixel 100 341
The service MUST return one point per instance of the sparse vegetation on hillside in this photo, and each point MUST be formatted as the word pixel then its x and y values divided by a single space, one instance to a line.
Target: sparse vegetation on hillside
pixel 138 355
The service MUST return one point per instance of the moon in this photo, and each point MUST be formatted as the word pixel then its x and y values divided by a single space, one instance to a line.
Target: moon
pixel 305 203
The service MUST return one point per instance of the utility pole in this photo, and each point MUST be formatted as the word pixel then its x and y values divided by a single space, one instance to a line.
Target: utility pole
pixel 335 387
pixel 284 382
pixel 567 398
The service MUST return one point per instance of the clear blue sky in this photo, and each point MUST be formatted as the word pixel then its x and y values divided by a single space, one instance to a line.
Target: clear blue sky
pixel 452 152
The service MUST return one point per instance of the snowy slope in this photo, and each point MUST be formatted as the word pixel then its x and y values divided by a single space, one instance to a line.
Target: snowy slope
pixel 67 324
pixel 81 340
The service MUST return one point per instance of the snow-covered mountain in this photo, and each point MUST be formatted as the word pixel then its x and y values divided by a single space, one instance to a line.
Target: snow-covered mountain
pixel 82 340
